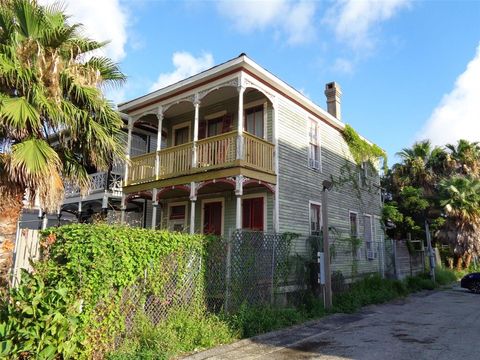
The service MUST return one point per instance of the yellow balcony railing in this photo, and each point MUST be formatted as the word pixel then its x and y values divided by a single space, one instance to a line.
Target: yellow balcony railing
pixel 258 153
pixel 141 169
pixel 218 151
pixel 175 161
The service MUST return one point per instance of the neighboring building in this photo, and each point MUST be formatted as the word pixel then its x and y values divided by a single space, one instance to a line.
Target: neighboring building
pixel 235 147
pixel 103 196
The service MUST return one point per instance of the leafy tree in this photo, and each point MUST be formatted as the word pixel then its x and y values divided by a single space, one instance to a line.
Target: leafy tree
pixel 54 120
pixel 407 213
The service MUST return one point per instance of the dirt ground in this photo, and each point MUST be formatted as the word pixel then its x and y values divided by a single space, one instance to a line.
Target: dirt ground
pixel 428 325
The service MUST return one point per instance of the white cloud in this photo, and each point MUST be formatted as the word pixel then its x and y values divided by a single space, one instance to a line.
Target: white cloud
pixel 292 19
pixel 185 65
pixel 458 114
pixel 342 65
pixel 353 20
pixel 103 20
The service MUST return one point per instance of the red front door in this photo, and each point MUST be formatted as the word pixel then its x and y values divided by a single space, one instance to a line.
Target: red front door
pixel 212 218
pixel 252 214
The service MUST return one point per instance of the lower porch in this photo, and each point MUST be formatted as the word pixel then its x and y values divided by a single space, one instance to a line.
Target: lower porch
pixel 216 207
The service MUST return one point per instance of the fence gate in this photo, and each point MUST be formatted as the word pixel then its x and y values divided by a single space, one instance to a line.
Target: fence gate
pixel 27 248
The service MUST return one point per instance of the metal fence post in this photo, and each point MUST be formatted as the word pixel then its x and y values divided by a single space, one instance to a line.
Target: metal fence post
pixel 395 265
pixel 273 269
pixel 228 269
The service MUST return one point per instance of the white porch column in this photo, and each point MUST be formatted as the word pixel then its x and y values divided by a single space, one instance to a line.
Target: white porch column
pixel 196 103
pixel 241 90
pixel 123 209
pixel 44 221
pixel 127 150
pixel 159 140
pixel 79 210
pixel 105 204
pixel 239 193
pixel 193 200
pixel 154 209
pixel 276 205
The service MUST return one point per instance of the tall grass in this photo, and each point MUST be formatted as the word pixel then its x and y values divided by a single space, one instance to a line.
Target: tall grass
pixel 182 332
pixel 444 276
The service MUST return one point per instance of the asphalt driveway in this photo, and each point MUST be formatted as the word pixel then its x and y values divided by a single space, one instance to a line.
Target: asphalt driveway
pixel 428 325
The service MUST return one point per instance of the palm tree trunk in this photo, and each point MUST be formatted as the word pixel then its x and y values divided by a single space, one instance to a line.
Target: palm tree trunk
pixel 459 263
pixel 10 213
pixel 468 260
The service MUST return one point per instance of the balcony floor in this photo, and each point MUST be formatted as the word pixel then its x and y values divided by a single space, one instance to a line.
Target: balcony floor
pixel 199 174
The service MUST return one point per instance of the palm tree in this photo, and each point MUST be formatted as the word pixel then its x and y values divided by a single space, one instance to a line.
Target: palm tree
pixel 465 157
pixel 421 166
pixel 460 197
pixel 54 120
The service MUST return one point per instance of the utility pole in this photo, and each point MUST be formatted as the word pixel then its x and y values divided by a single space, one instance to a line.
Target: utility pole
pixel 431 254
pixel 327 185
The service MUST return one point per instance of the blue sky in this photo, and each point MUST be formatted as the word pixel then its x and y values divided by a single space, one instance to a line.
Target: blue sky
pixel 408 69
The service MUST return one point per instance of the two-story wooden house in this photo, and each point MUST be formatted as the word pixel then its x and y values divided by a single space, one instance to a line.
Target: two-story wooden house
pixel 235 147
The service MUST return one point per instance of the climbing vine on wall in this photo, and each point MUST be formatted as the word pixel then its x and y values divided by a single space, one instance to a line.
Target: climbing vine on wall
pixel 364 154
pixel 362 150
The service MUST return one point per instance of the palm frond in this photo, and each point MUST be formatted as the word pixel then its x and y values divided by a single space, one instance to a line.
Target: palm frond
pixel 19 114
pixel 107 69
pixel 31 160
pixel 29 18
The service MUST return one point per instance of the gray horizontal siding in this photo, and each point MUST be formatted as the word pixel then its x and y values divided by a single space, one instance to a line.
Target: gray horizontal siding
pixel 298 184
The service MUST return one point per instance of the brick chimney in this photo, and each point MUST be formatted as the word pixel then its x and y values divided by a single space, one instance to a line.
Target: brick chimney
pixel 333 92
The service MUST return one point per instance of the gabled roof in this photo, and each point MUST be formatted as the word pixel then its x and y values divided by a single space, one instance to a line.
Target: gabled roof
pixel 242 62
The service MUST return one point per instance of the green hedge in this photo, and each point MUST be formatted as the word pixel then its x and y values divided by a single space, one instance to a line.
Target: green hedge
pixel 78 285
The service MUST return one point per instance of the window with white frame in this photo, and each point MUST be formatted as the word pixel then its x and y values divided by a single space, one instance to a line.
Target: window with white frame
pixel 181 133
pixel 314 145
pixel 177 216
pixel 254 120
pixel 353 219
pixel 353 224
pixel 364 172
pixel 315 219
pixel 368 236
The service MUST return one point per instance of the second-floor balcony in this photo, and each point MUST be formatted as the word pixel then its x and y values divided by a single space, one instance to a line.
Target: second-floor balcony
pixel 221 151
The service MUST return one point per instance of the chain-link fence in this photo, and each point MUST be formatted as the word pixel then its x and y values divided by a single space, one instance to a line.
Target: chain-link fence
pixel 264 268
pixel 249 267
pixel 176 283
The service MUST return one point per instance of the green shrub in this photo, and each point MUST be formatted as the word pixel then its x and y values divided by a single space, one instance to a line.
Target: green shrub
pixel 41 322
